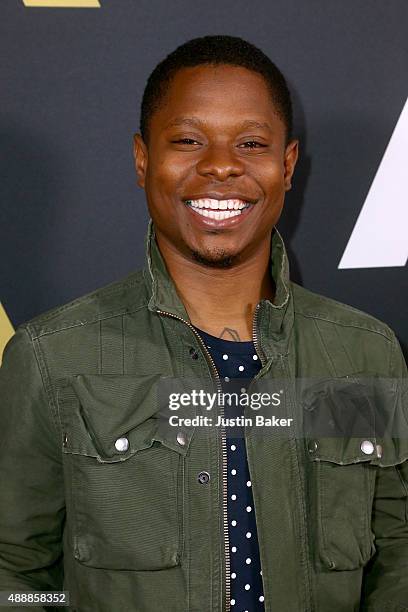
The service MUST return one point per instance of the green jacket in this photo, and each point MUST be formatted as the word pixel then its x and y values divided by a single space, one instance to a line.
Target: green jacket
pixel 135 529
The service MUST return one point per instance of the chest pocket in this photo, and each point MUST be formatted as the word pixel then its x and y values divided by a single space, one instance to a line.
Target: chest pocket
pixel 346 444
pixel 124 472
pixel 341 491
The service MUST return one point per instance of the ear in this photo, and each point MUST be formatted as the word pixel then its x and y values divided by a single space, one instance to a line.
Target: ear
pixel 141 157
pixel 291 156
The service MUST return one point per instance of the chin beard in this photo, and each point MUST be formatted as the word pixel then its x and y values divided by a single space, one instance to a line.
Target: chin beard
pixel 216 260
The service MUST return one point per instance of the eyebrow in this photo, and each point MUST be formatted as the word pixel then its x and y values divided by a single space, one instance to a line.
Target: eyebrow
pixel 196 122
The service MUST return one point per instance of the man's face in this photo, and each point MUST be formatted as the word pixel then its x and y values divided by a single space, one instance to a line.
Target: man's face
pixel 216 149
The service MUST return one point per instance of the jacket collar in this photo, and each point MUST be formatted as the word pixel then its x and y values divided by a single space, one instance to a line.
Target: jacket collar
pixel 275 318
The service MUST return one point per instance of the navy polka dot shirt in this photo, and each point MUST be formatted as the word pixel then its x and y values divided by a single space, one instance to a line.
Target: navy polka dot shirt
pixel 235 360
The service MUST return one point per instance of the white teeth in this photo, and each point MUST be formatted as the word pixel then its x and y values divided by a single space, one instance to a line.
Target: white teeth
pixel 217 214
pixel 211 204
pixel 217 209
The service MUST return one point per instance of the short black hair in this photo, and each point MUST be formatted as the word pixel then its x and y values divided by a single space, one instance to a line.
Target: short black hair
pixel 215 50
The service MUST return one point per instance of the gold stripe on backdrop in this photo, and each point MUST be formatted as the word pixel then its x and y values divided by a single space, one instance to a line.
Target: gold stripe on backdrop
pixel 63 3
pixel 6 330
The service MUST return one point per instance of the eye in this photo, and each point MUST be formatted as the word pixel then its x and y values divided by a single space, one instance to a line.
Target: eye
pixel 187 141
pixel 253 144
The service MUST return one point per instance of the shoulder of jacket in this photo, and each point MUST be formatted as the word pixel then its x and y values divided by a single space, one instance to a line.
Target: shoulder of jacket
pixel 316 306
pixel 124 295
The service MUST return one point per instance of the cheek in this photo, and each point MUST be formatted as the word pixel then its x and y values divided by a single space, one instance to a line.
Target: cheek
pixel 159 172
pixel 273 186
pixel 268 172
pixel 272 180
pixel 169 168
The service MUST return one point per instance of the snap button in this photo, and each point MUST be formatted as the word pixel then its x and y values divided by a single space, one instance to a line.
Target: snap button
pixel 367 447
pixel 181 438
pixel 313 446
pixel 203 477
pixel 122 444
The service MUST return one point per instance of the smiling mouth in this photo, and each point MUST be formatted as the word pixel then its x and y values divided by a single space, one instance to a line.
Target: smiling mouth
pixel 218 209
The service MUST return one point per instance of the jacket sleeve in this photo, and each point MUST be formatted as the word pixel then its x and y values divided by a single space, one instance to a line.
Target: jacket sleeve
pixel 32 509
pixel 385 581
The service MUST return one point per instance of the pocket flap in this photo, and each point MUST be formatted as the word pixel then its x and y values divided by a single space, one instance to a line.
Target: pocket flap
pixel 111 417
pixel 354 419
pixel 383 452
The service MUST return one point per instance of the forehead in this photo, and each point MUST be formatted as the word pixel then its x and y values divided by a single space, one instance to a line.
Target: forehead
pixel 218 94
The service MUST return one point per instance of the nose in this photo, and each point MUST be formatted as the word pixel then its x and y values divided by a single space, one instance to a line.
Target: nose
pixel 220 162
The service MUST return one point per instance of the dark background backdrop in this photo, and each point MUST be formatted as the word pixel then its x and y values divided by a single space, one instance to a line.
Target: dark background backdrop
pixel 71 216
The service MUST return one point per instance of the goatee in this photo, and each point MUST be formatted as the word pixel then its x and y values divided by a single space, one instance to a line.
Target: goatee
pixel 218 260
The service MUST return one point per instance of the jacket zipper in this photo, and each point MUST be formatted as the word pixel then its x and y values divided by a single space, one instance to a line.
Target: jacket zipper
pixel 224 463
pixel 223 441
pixel 255 336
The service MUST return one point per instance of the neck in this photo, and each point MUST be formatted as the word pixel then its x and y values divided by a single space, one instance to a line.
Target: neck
pixel 221 301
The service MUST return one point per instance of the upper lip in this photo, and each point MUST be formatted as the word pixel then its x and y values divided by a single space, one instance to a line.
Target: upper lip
pixel 216 195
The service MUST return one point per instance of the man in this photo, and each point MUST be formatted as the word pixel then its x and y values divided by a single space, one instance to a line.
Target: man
pixel 101 500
